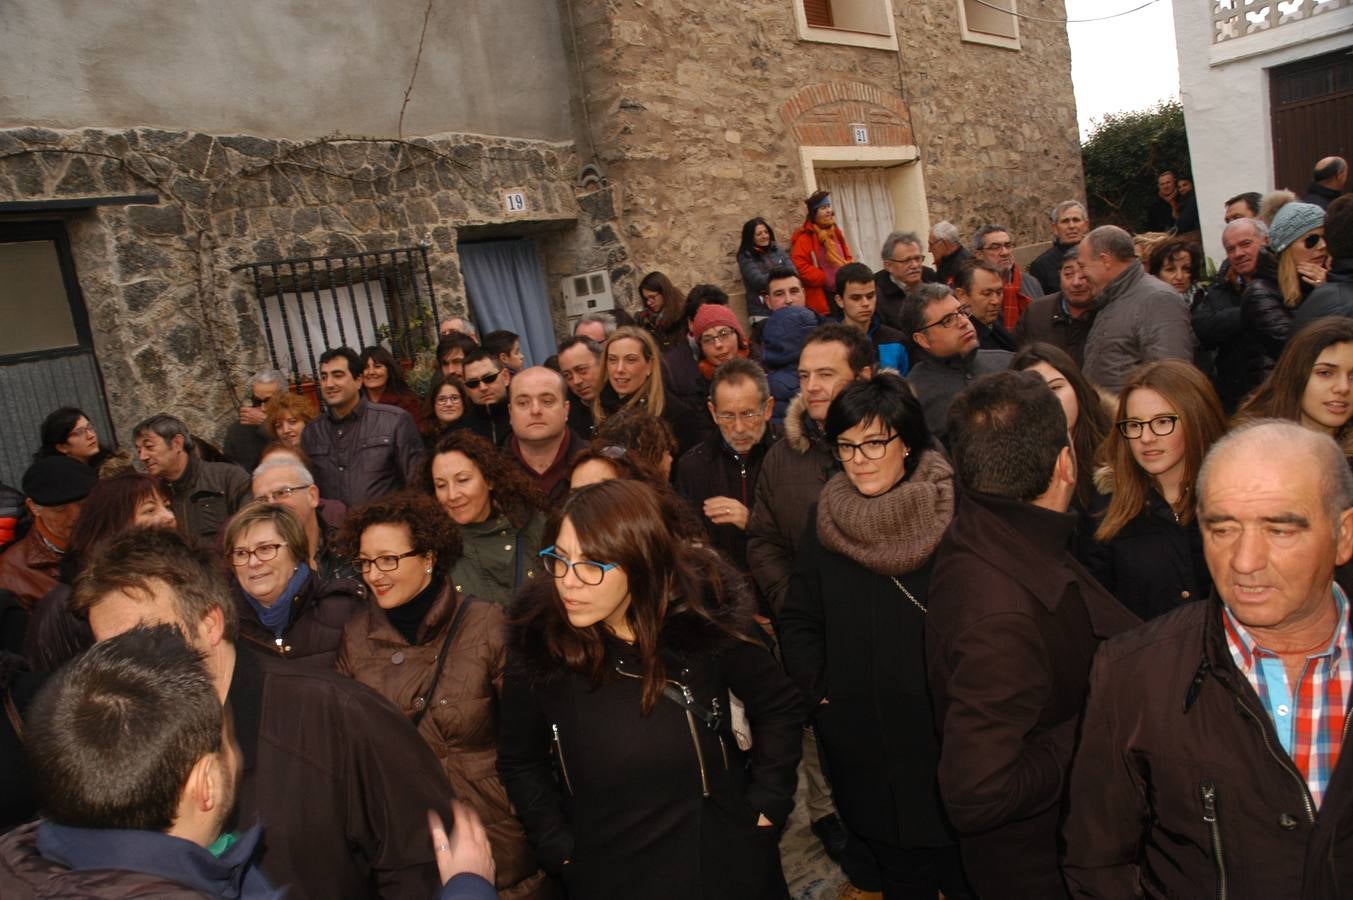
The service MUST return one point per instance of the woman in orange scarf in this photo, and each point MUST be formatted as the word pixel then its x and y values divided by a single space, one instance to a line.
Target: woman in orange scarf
pixel 818 249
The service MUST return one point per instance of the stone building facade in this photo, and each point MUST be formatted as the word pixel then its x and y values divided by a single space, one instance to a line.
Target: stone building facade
pixel 641 135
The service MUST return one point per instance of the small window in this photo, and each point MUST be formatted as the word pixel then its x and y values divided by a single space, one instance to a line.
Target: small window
pixel 37 310
pixel 860 23
pixel 994 22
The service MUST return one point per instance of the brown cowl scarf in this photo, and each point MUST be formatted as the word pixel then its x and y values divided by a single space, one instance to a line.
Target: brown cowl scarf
pixel 895 532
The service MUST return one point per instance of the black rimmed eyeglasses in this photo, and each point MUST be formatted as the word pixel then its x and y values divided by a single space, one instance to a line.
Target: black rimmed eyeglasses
pixel 387 563
pixel 1160 426
pixel 951 320
pixel 845 450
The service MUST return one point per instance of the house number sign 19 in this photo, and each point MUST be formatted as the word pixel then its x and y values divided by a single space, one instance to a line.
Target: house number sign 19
pixel 514 201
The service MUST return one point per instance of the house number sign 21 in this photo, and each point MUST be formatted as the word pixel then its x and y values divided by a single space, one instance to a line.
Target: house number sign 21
pixel 514 201
pixel 861 133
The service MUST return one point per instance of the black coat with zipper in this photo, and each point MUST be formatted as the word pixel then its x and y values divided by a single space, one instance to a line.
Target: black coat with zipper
pixel 658 806
pixel 1180 787
pixel 852 637
pixel 713 469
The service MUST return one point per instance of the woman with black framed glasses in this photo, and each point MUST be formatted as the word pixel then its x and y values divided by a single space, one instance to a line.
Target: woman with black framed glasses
pixel 285 607
pixel 618 746
pixel 437 655
pixel 852 633
pixel 1147 549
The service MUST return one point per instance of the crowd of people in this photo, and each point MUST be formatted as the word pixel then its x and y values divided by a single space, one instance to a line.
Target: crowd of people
pixel 1024 582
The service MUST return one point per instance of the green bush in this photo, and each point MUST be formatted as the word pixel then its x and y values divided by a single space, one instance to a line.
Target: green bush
pixel 1124 154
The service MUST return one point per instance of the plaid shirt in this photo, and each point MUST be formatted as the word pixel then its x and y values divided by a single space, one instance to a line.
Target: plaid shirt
pixel 1309 720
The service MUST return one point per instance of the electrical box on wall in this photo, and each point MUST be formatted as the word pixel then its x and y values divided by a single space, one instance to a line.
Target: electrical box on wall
pixel 587 292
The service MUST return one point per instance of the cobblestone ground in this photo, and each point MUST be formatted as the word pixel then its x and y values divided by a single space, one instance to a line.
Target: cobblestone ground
pixel 810 872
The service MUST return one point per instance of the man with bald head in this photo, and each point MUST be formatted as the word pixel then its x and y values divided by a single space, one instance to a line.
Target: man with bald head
pixel 541 441
pixel 1328 180
pixel 1210 756
pixel 1216 317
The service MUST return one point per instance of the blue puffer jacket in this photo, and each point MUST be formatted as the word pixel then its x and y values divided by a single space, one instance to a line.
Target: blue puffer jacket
pixel 782 342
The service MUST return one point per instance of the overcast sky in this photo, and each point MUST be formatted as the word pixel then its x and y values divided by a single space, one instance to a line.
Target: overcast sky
pixel 1121 64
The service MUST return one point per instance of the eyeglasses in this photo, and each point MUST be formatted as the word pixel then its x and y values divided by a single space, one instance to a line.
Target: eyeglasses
pixel 280 494
pixel 588 572
pixel 82 431
pixel 265 552
pixel 449 400
pixel 952 320
pixel 1006 245
pixel 387 563
pixel 845 450
pixel 723 334
pixel 750 417
pixel 483 379
pixel 907 260
pixel 1160 426
pixel 1312 240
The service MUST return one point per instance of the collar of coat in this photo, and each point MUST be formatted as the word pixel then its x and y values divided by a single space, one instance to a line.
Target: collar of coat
pixel 801 432
pixel 684 635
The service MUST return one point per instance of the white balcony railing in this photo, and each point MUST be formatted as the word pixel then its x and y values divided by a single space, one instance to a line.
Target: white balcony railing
pixel 1233 19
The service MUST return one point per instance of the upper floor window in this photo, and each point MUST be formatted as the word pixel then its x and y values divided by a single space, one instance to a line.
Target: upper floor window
pixel 859 23
pixel 994 22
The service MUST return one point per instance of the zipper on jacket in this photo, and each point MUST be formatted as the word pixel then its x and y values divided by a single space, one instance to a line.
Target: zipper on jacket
pixel 559 751
pixel 695 738
pixel 1207 791
pixel 1284 761
pixel 723 748
pixel 742 473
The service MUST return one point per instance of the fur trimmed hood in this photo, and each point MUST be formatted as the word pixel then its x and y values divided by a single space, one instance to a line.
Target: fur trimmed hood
pixel 800 433
pixel 1103 479
pixel 684 635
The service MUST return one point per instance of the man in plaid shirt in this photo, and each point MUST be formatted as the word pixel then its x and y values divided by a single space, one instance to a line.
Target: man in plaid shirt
pixel 1210 755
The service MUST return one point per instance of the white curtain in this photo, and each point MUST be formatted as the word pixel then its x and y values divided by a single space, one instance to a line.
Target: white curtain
pixel 507 291
pixel 864 209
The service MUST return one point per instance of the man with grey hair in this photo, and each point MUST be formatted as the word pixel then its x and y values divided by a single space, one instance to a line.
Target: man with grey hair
pixel 1216 316
pixel 283 479
pixel 457 323
pixel 1138 317
pixel 1069 224
pixel 994 244
pixel 595 326
pixel 1210 753
pixel 204 494
pixel 245 439
pixel 948 252
pixel 903 269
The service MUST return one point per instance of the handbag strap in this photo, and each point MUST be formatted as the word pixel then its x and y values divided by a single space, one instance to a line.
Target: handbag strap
pixel 425 702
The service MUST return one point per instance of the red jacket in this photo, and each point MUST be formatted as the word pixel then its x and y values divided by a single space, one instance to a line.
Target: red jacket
pixel 806 251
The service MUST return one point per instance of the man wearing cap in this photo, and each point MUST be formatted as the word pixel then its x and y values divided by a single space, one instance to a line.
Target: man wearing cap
pixel 716 336
pixel 54 487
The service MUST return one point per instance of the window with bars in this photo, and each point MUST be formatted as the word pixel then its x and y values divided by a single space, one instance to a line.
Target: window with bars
pixel 312 304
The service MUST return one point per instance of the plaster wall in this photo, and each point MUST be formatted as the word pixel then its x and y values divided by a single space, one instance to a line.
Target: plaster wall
pixel 1225 93
pixel 286 68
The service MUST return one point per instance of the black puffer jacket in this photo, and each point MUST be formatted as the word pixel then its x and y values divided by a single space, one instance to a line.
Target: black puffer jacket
pixel 661 806
pixel 1220 330
pixel 1266 321
pixel 1333 298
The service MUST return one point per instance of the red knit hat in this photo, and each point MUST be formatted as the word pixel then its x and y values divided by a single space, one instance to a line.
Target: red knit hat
pixel 712 315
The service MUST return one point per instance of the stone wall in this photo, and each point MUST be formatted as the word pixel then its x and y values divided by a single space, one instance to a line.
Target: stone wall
pixel 698 111
pixel 175 330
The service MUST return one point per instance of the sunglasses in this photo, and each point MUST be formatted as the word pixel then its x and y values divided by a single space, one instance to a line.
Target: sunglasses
pixel 485 379
pixel 1311 240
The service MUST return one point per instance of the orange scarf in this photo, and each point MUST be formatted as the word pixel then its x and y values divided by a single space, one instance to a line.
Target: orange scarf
pixel 830 243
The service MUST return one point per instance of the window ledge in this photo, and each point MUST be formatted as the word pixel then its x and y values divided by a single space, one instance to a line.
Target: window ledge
pixel 849 37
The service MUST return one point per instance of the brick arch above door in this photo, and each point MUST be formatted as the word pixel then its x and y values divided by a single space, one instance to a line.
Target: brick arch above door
pixel 823 114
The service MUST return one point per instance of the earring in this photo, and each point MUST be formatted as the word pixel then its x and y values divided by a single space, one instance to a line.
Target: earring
pixel 428 570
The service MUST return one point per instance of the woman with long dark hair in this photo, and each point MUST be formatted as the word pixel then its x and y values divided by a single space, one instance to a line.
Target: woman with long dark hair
pixel 618 745
pixel 437 654
pixel 663 313
pixel 383 380
pixel 852 632
pixel 1086 416
pixel 1311 382
pixel 69 432
pixel 1147 548
pixel 115 505
pixel 757 255
pixel 498 510
pixel 445 408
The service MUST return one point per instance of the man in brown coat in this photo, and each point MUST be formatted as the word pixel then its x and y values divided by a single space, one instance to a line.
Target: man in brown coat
pixel 54 488
pixel 339 778
pixel 1014 621
pixel 1211 758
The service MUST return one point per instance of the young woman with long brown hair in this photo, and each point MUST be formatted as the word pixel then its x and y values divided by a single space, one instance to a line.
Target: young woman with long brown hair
pixel 1147 549
pixel 617 746
pixel 1311 382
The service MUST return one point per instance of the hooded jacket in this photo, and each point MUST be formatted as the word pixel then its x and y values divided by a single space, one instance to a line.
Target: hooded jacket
pixel 783 338
pixel 792 476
